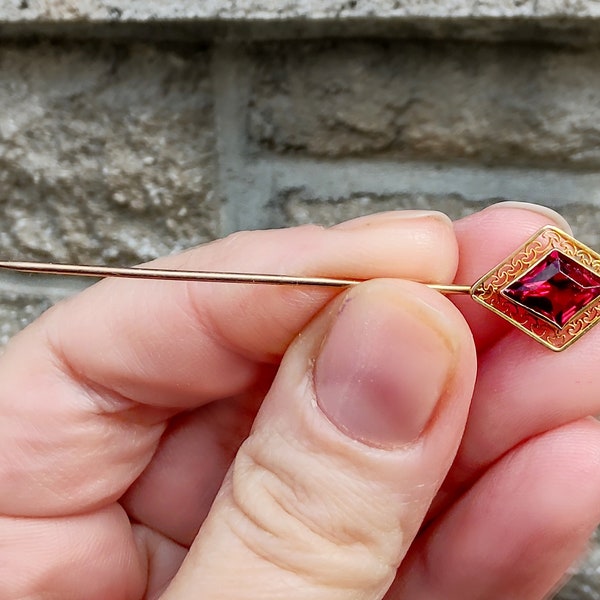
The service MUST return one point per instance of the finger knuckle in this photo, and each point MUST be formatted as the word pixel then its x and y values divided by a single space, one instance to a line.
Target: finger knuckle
pixel 288 511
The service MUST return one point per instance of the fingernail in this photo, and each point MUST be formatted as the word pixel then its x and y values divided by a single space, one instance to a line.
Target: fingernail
pixel 383 366
pixel 546 212
pixel 393 216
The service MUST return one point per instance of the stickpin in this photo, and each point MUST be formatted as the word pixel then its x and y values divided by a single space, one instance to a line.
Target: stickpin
pixel 549 287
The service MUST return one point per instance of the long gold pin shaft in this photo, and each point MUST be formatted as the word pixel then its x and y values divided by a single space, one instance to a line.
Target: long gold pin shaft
pixel 212 276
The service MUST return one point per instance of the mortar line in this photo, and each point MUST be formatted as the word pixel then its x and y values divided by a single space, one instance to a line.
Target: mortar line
pixel 341 178
pixel 243 184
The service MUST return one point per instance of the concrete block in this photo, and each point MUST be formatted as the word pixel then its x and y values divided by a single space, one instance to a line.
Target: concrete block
pixel 106 151
pixel 148 10
pixel 569 21
pixel 492 104
pixel 17 310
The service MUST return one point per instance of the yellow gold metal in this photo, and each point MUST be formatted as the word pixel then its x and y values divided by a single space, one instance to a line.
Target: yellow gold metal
pixel 212 276
pixel 450 289
pixel 172 274
pixel 488 290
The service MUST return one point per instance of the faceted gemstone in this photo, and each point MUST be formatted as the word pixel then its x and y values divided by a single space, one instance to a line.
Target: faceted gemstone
pixel 557 288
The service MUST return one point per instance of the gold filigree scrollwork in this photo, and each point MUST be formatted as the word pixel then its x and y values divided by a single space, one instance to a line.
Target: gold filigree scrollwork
pixel 488 290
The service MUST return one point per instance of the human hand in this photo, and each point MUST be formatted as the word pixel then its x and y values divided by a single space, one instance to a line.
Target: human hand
pixel 122 409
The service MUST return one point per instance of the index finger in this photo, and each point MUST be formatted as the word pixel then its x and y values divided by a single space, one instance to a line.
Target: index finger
pixel 150 341
pixel 87 389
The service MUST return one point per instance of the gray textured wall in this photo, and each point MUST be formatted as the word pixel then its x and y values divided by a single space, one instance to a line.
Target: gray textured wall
pixel 117 146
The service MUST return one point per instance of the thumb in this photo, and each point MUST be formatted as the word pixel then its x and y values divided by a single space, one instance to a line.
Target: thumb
pixel 352 442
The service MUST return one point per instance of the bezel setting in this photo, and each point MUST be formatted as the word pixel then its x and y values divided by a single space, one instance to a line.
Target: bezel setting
pixel 490 290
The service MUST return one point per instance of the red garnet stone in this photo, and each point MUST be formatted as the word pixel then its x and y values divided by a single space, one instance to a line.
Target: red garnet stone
pixel 556 289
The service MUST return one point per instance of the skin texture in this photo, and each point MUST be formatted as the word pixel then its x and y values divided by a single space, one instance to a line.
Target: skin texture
pixel 350 449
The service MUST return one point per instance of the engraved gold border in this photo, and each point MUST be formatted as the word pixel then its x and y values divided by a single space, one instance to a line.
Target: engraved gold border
pixel 488 290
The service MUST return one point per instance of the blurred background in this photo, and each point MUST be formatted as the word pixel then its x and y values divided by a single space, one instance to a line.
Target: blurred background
pixel 133 129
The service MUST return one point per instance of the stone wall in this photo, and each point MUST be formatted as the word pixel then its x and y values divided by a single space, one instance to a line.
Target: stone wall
pixel 130 130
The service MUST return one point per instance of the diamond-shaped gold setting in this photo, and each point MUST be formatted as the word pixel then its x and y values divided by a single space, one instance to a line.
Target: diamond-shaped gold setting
pixel 489 290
